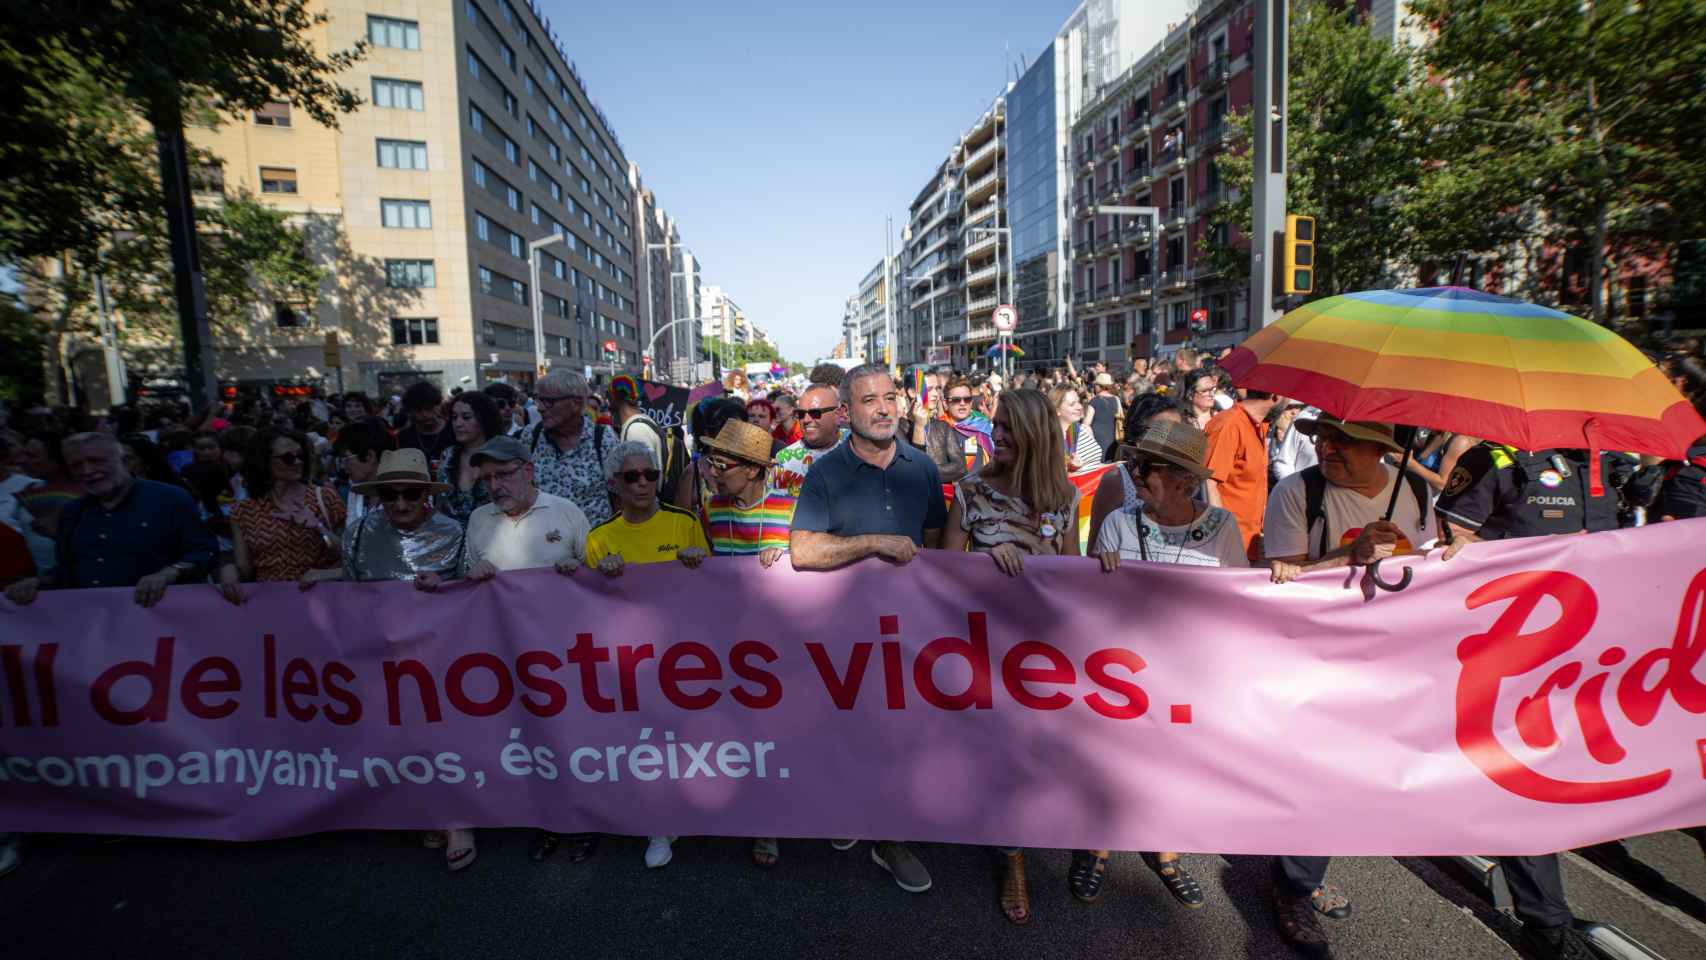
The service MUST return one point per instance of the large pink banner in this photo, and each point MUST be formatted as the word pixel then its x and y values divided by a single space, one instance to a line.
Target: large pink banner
pixel 1525 697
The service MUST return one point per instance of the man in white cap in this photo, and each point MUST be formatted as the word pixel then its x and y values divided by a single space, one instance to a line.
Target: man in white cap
pixel 523 527
pixel 1106 415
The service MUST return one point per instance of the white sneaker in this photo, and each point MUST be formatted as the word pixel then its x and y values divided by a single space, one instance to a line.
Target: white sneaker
pixel 659 850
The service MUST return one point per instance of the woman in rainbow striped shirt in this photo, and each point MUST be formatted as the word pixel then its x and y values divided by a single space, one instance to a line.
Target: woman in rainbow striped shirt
pixel 746 514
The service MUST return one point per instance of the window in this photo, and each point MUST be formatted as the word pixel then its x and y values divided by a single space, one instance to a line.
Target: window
pixel 497 285
pixel 410 273
pixel 413 331
pixel 398 94
pixel 402 154
pixel 207 178
pixel 278 180
pixel 406 215
pixel 273 115
pixel 391 32
pixel 1114 331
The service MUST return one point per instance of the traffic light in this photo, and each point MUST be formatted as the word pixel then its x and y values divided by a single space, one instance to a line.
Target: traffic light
pixel 1299 254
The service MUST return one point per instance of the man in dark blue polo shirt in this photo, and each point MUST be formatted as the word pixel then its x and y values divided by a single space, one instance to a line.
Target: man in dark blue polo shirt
pixel 126 533
pixel 873 496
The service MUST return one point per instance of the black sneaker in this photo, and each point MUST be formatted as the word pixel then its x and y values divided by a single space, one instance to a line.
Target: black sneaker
pixel 1300 926
pixel 1556 943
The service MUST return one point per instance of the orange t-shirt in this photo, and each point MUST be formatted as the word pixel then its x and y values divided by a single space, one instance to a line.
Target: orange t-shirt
pixel 1238 455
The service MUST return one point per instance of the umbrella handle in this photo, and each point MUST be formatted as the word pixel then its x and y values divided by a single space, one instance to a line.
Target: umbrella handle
pixel 1392 586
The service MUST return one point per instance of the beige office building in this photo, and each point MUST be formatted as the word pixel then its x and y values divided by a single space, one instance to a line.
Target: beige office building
pixel 477 137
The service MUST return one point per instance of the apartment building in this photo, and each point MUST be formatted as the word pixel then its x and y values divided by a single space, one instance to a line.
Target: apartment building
pixel 477 139
pixel 955 264
pixel 872 311
pixel 1154 137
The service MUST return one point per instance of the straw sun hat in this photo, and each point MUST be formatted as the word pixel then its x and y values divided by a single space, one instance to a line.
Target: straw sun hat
pixel 1178 443
pixel 1369 430
pixel 743 441
pixel 397 468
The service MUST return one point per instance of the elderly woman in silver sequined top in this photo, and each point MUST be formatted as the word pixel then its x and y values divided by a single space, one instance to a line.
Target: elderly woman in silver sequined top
pixel 406 540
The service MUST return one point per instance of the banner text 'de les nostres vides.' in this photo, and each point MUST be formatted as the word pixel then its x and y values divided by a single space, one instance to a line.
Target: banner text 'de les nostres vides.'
pixel 1523 698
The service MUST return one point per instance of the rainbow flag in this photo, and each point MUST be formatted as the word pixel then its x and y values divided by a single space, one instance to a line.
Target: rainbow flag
pixel 1087 482
pixel 921 387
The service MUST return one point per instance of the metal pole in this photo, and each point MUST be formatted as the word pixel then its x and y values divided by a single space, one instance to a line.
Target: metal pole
pixel 1269 67
pixel 538 315
pixel 888 293
pixel 109 340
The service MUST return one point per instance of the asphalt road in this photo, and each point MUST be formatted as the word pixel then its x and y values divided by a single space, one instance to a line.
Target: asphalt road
pixel 360 895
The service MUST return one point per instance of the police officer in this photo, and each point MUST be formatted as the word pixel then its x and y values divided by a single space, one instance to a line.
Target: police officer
pixel 1497 492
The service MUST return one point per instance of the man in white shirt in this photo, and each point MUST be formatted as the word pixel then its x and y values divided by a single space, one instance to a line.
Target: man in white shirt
pixel 1333 515
pixel 522 527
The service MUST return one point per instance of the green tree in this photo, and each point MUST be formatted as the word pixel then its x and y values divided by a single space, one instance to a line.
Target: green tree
pixel 20 363
pixel 253 258
pixel 1355 140
pixel 82 76
pixel 1575 121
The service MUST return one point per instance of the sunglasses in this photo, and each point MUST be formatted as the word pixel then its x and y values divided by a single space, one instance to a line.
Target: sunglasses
pixel 813 413
pixel 411 494
pixel 633 476
pixel 964 399
pixel 288 459
pixel 546 403
pixel 719 464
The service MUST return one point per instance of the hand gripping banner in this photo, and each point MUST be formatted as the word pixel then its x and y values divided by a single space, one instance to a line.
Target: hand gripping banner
pixel 1524 697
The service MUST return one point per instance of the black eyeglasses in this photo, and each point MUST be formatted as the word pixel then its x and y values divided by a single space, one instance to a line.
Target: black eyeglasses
pixel 288 459
pixel 411 494
pixel 633 476
pixel 813 413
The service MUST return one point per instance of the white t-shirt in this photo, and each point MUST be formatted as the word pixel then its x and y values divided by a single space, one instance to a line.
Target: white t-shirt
pixel 552 530
pixel 1211 540
pixel 642 429
pixel 1291 454
pixel 1347 512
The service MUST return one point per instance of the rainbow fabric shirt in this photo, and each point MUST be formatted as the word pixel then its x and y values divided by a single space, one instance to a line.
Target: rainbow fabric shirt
pixel 734 532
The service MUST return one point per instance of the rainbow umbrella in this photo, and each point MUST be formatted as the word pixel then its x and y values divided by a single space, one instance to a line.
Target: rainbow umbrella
pixel 1451 358
pixel 1009 347
pixel 1455 359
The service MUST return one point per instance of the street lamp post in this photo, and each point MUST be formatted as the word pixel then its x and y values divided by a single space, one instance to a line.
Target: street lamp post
pixel 1153 215
pixel 533 248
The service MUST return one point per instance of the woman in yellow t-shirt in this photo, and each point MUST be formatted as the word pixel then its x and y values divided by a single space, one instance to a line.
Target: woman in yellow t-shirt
pixel 644 530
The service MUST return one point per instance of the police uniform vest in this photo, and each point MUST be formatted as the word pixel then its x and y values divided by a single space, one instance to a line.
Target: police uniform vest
pixel 1551 496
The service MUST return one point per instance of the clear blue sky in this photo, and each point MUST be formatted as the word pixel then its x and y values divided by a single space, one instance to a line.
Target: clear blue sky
pixel 779 135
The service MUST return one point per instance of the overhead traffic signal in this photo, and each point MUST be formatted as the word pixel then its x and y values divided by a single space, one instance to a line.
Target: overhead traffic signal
pixel 1299 254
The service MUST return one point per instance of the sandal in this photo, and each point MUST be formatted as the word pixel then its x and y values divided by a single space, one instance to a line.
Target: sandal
pixel 459 849
pixel 1330 901
pixel 433 839
pixel 765 852
pixel 544 844
pixel 1016 891
pixel 1085 877
pixel 1177 880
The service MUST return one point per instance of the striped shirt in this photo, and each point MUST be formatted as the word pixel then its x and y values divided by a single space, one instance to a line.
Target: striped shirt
pixel 734 531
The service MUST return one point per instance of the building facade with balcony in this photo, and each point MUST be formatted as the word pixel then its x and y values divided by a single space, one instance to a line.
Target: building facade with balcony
pixel 1154 138
pixel 477 137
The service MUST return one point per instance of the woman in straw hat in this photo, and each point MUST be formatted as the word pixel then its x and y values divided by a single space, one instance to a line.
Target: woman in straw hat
pixel 1018 504
pixel 1165 524
pixel 405 540
pixel 746 515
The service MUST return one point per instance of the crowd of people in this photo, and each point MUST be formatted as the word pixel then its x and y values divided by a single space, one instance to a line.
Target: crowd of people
pixel 851 465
